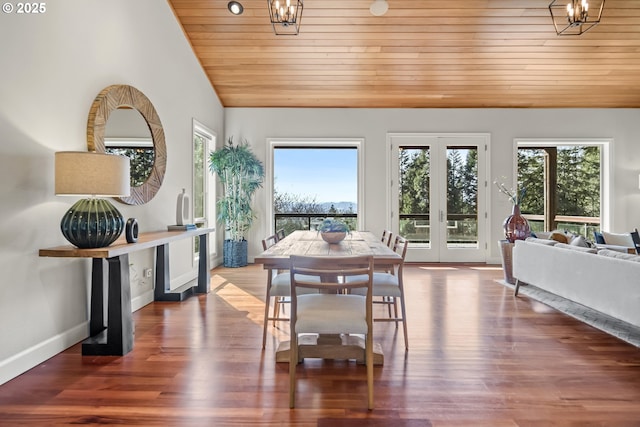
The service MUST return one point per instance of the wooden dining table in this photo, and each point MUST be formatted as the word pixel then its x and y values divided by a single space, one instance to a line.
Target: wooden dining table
pixel 310 243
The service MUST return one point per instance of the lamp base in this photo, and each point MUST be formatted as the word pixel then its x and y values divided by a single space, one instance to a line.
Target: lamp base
pixel 92 223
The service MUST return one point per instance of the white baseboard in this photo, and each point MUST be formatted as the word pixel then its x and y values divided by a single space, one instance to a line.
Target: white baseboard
pixel 494 260
pixel 217 261
pixel 140 301
pixel 32 357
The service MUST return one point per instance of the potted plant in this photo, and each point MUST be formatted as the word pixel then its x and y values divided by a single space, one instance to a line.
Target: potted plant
pixel 241 174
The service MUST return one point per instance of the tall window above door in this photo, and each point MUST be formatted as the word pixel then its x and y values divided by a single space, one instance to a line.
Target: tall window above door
pixel 565 183
pixel 311 180
pixel 203 188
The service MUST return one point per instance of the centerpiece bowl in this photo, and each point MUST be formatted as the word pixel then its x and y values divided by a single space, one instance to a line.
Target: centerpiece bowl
pixel 333 236
pixel 333 231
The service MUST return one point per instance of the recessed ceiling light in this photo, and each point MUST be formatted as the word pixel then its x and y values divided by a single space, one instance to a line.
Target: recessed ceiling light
pixel 235 8
pixel 379 7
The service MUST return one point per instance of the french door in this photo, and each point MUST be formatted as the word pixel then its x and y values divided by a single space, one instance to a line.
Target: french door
pixel 438 195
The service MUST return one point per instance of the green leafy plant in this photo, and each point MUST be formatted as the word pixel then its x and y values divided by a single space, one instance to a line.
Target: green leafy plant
pixel 241 173
pixel 333 226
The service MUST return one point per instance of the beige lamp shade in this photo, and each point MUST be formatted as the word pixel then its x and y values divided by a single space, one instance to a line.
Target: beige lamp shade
pixel 91 174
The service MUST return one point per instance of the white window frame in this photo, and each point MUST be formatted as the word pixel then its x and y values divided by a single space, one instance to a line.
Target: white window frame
pixel 397 139
pixel 209 185
pixel 273 143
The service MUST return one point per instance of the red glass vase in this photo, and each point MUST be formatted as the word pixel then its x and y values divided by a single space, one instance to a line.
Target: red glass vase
pixel 516 227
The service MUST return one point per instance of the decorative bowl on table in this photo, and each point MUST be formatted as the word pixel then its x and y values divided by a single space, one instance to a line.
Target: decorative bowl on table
pixel 333 231
pixel 333 236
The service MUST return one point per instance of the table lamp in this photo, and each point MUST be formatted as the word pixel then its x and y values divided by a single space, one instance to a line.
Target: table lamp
pixel 91 222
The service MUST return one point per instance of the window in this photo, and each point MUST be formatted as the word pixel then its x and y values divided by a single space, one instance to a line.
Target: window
pixel 203 140
pixel 565 185
pixel 313 180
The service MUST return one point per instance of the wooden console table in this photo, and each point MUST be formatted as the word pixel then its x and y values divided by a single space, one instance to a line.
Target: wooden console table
pixel 116 338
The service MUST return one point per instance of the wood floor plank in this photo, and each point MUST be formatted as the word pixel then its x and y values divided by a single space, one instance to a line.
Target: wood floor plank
pixel 478 357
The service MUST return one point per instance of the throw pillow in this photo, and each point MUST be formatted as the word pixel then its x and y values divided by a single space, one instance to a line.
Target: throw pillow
pixel 579 241
pixel 618 239
pixel 558 236
pixel 598 237
pixel 543 234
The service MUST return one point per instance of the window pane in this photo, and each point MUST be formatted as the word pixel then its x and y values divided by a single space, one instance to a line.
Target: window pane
pixel 579 181
pixel 312 181
pixel 199 170
pixel 531 175
pixel 576 193
pixel 462 197
pixel 414 194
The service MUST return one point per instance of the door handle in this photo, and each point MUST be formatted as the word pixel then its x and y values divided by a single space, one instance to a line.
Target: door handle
pixel 441 216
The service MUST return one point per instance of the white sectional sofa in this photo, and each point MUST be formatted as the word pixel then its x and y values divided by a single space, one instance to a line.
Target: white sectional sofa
pixel 607 281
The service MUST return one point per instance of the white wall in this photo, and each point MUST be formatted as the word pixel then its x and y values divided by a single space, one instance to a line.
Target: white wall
pixel 504 125
pixel 51 68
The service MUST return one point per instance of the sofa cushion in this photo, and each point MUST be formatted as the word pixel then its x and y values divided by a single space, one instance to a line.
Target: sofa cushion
pixel 541 241
pixel 619 255
pixel 618 239
pixel 576 248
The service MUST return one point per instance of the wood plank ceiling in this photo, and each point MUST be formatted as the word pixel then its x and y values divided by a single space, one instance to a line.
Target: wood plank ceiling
pixel 420 54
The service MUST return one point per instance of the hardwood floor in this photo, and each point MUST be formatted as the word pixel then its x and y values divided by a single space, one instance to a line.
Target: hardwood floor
pixel 477 357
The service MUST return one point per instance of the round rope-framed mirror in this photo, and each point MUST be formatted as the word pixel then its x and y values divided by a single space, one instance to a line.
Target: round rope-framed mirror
pixel 123 96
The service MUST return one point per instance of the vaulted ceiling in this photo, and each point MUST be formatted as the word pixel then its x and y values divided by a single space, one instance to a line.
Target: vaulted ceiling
pixel 421 53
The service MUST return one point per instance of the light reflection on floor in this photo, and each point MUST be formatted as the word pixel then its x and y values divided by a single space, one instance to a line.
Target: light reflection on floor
pixel 242 301
pixel 487 268
pixel 248 303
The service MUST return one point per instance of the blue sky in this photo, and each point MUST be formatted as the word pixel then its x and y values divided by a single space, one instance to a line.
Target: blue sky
pixel 329 174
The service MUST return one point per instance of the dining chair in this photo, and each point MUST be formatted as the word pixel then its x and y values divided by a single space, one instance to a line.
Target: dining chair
pixel 389 287
pixel 278 288
pixel 330 311
pixel 280 234
pixel 387 236
pixel 269 241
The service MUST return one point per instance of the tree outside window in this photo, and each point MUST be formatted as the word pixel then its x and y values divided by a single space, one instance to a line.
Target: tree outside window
pixel 562 187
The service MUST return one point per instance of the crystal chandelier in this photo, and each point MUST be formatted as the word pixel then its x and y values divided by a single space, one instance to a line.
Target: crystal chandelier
pixel 575 18
pixel 285 16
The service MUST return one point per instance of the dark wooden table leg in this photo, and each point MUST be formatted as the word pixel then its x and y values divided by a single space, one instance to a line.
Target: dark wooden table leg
pixel 96 320
pixel 204 275
pixel 117 340
pixel 163 280
pixel 120 318
pixel 163 291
